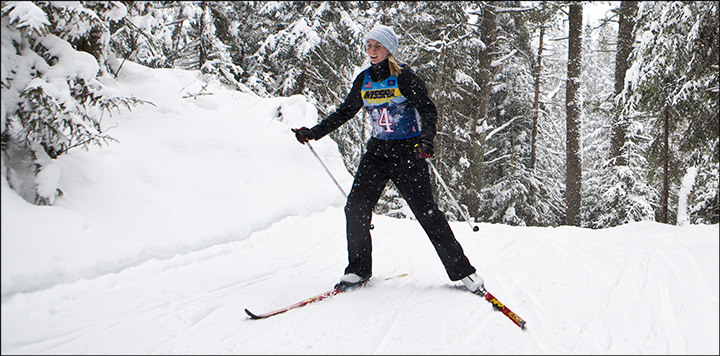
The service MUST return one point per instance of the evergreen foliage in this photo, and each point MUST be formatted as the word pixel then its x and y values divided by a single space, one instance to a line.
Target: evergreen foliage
pixel 675 66
pixel 48 109
pixel 477 59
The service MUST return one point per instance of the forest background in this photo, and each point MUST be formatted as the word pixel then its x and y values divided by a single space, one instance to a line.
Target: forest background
pixel 542 121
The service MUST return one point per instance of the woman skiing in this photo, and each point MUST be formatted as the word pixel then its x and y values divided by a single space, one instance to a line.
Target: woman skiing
pixel 403 129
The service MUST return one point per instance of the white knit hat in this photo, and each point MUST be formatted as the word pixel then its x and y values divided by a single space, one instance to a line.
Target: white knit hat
pixel 386 36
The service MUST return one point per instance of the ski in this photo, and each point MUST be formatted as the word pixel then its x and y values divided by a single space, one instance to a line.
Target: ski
pixel 303 303
pixel 310 300
pixel 497 305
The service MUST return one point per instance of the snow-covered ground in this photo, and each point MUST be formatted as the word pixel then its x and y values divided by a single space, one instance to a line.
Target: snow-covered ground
pixel 209 206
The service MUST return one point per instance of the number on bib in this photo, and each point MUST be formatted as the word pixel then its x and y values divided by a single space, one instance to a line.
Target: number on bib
pixel 384 120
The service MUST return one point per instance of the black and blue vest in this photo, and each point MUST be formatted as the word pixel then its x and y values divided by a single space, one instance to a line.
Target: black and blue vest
pixel 393 116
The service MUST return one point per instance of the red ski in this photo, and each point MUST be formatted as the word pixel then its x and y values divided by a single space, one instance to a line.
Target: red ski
pixel 303 303
pixel 310 300
pixel 501 307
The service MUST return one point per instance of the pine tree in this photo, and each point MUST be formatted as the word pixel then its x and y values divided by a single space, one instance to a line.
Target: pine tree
pixel 135 37
pixel 675 73
pixel 549 147
pixel 573 109
pixel 598 107
pixel 216 42
pixel 53 99
pixel 626 16
pixel 514 193
pixel 618 192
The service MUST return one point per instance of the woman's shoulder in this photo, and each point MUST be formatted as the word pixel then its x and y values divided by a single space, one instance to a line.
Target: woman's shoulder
pixel 406 68
pixel 407 73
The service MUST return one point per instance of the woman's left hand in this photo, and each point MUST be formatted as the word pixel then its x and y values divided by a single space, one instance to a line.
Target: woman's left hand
pixel 425 148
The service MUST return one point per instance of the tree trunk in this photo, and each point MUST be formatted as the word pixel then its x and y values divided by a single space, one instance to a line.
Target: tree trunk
pixel 204 43
pixel 476 153
pixel 574 162
pixel 536 105
pixel 177 39
pixel 627 12
pixel 666 167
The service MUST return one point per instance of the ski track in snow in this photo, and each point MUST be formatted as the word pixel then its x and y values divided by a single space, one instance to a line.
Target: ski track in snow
pixel 194 302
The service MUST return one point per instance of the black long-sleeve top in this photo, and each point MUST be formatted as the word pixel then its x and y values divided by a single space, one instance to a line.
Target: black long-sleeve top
pixel 411 87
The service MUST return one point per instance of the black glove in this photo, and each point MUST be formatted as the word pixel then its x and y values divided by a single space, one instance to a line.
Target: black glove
pixel 303 134
pixel 425 148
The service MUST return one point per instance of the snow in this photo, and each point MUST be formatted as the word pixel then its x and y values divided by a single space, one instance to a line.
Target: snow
pixel 685 189
pixel 28 15
pixel 208 205
pixel 596 11
pixel 499 61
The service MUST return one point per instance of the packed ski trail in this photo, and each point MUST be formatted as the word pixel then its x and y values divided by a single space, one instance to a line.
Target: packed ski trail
pixel 576 302
pixel 207 207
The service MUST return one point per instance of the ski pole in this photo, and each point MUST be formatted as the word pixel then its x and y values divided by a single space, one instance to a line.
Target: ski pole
pixel 447 190
pixel 372 226
pixel 326 169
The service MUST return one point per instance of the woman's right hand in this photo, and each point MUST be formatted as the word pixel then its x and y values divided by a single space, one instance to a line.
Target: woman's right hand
pixel 303 134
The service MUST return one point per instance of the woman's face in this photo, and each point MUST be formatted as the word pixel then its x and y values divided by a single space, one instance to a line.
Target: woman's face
pixel 376 51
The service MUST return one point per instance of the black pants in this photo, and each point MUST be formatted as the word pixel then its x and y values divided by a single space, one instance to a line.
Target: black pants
pixel 397 160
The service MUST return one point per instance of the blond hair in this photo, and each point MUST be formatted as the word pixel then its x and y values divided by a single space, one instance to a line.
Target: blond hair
pixel 394 66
